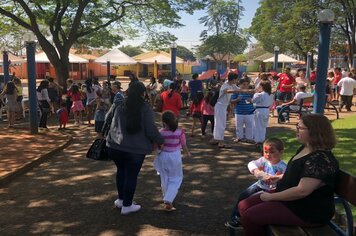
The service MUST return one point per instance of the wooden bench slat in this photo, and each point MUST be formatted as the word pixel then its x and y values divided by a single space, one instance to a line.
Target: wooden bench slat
pixel 280 230
pixel 346 185
pixel 318 231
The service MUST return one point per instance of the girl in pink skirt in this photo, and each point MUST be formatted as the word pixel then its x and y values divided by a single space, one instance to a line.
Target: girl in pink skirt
pixel 77 106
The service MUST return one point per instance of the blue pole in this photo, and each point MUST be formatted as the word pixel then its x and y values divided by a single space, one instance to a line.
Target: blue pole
pixel 108 71
pixel 31 73
pixel 173 62
pixel 308 65
pixel 275 64
pixel 6 66
pixel 322 67
pixel 354 62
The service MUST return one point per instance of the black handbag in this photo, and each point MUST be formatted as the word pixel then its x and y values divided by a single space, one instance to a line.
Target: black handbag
pixel 98 151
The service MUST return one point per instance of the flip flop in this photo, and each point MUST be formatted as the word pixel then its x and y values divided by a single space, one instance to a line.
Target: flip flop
pixel 236 140
pixel 214 142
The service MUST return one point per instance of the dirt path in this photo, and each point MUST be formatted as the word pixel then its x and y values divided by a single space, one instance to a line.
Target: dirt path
pixel 69 195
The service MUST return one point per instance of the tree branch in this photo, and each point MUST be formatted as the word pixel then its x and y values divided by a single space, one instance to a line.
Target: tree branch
pixel 15 18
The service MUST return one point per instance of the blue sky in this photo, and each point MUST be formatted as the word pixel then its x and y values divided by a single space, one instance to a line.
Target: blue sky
pixel 188 35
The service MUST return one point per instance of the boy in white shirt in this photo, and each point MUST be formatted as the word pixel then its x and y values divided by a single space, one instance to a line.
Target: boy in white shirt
pixel 293 104
pixel 268 169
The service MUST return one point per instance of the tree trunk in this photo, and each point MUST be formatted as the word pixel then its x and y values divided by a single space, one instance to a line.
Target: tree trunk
pixel 62 73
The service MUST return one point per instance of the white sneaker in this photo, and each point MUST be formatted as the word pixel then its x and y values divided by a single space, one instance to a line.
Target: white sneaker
pixel 118 203
pixel 130 209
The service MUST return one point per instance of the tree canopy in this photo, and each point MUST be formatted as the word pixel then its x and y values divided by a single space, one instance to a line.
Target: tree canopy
pixel 289 24
pixel 95 22
pixel 131 50
pixel 223 35
pixel 293 25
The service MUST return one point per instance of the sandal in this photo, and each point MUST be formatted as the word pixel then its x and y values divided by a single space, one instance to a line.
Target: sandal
pixel 224 146
pixel 213 142
pixel 168 207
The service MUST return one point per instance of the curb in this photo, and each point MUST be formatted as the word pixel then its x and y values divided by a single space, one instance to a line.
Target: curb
pixel 35 162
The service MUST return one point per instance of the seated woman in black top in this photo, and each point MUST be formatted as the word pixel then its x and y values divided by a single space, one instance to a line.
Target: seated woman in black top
pixel 304 196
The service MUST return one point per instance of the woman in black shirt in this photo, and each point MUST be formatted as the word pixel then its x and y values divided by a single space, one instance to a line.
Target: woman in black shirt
pixel 304 196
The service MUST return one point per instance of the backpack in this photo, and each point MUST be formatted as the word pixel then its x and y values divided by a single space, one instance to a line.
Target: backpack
pixel 214 98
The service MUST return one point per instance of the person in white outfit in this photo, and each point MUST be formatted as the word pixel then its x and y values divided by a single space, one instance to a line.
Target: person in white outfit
pixel 347 86
pixel 168 162
pixel 220 109
pixel 263 100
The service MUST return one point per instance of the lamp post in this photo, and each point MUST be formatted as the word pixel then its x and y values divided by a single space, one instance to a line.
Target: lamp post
pixel 5 61
pixel 108 71
pixel 326 18
pixel 30 44
pixel 309 55
pixel 275 64
pixel 173 60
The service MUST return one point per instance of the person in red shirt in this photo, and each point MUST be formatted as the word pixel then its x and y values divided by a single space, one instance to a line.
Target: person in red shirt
pixel 285 86
pixel 337 78
pixel 312 78
pixel 171 99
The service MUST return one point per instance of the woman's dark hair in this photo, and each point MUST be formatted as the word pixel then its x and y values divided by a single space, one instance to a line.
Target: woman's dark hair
pixel 152 80
pixel 173 86
pixel 231 76
pixel 16 81
pixel 217 78
pixel 50 79
pixel 134 103
pixel 75 89
pixel 321 133
pixel 169 118
pixel 95 81
pixel 10 88
pixel 195 76
pixel 199 96
pixel 89 85
pixel 266 86
pixel 208 96
pixel 43 85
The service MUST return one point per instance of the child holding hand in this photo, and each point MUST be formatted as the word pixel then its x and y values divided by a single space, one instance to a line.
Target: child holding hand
pixel 268 169
pixel 168 162
pixel 62 116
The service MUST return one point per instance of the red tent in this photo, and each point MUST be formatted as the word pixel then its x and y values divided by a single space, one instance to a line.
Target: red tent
pixel 224 76
pixel 206 75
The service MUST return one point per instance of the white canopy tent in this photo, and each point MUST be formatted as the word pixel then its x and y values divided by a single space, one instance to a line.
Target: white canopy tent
pixel 42 58
pixel 161 59
pixel 282 58
pixel 116 57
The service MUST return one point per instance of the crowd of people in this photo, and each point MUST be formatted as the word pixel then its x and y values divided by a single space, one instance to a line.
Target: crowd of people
pixel 305 183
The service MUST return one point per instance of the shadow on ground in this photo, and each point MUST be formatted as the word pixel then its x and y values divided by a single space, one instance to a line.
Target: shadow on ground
pixel 71 195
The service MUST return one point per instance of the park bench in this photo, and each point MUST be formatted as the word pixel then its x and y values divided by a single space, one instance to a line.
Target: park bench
pixel 306 106
pixel 345 193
